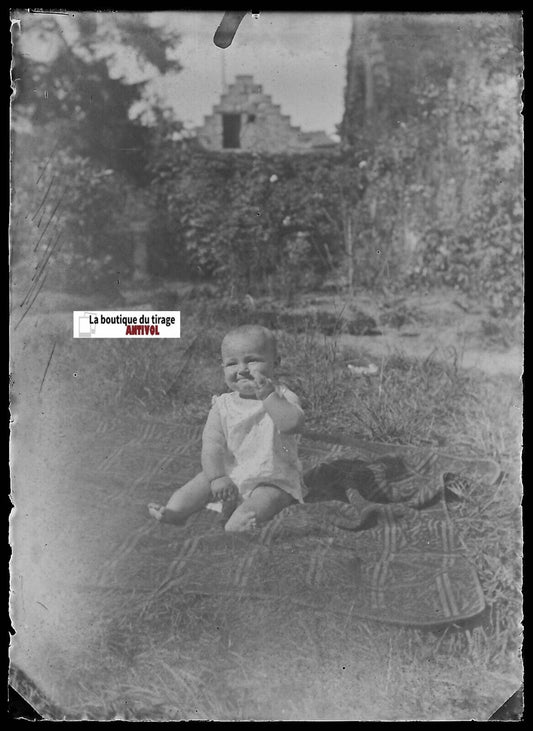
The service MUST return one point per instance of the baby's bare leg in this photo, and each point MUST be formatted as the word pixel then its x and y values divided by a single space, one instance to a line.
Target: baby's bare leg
pixel 264 503
pixel 189 499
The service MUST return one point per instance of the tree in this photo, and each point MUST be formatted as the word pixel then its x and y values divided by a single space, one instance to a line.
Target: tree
pixel 432 105
pixel 82 73
pixel 79 150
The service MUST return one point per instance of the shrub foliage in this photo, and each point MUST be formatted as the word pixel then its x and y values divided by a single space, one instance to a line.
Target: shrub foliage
pixel 256 222
pixel 429 196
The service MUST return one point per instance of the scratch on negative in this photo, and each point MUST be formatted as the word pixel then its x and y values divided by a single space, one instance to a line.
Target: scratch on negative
pixel 43 280
pixel 47 12
pixel 47 366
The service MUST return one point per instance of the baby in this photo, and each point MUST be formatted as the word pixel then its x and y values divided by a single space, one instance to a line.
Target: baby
pixel 249 443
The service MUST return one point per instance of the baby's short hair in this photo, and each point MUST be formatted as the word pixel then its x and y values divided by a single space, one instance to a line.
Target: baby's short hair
pixel 251 329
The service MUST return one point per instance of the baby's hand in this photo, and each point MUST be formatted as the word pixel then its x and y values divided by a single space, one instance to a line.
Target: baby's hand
pixel 263 386
pixel 224 489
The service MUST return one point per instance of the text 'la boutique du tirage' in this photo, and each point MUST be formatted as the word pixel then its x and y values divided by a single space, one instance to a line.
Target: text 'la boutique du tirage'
pixel 125 324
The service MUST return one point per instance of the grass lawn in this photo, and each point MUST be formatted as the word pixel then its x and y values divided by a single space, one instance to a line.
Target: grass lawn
pixel 211 658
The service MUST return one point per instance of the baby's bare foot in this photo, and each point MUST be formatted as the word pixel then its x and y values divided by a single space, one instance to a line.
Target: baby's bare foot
pixel 241 523
pixel 250 524
pixel 164 515
pixel 156 511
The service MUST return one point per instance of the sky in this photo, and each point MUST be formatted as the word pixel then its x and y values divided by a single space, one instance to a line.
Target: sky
pixel 299 58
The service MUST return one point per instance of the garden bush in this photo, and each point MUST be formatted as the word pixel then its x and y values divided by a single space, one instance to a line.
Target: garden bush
pixel 256 222
pixel 444 197
pixel 70 214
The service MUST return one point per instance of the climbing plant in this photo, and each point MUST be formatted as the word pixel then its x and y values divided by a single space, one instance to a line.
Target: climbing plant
pixel 443 204
pixel 255 222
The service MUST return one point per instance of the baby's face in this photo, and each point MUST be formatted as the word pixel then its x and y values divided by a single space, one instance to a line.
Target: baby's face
pixel 244 357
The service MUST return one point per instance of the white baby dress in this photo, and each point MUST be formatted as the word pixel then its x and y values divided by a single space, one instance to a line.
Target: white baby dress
pixel 257 452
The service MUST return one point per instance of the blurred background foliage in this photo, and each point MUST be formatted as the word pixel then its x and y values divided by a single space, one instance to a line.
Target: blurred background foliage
pixel 425 189
pixel 255 223
pixel 437 104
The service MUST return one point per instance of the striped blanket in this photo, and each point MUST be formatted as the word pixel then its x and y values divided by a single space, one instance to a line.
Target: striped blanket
pixel 374 539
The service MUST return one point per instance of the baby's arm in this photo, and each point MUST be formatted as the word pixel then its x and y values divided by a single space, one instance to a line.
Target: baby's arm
pixel 286 414
pixel 213 451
